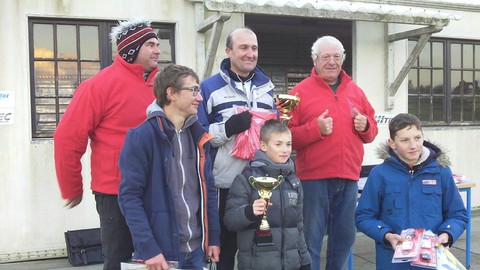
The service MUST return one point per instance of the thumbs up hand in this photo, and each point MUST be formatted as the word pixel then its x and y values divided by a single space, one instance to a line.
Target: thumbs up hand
pixel 359 121
pixel 325 124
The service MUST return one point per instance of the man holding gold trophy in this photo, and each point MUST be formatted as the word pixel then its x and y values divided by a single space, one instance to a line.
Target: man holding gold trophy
pixel 273 239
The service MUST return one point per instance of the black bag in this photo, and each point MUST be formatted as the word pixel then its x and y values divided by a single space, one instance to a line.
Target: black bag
pixel 84 247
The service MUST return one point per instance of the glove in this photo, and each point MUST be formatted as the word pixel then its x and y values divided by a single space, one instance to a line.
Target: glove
pixel 238 123
pixel 305 267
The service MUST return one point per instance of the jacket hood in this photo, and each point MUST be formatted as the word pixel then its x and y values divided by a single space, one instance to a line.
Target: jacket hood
pixel 154 107
pixel 154 110
pixel 430 152
pixel 261 162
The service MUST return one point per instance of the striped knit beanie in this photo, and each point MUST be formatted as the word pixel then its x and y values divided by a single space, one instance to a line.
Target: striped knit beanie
pixel 130 36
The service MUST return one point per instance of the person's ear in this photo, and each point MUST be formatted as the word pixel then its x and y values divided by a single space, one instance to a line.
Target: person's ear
pixel 391 143
pixel 263 146
pixel 170 93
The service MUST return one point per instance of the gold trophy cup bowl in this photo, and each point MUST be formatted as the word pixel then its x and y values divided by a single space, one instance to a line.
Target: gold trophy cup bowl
pixel 285 104
pixel 264 186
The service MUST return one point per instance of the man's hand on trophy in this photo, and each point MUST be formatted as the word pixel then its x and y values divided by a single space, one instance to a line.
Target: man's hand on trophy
pixel 260 207
pixel 281 104
pixel 286 103
pixel 238 123
pixel 325 124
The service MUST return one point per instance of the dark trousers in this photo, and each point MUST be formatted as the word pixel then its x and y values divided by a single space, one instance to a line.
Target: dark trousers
pixel 228 239
pixel 116 239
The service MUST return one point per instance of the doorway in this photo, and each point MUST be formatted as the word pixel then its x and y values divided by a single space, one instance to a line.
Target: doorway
pixel 285 43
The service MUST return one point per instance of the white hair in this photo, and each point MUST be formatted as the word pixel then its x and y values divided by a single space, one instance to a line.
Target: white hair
pixel 323 41
pixel 123 27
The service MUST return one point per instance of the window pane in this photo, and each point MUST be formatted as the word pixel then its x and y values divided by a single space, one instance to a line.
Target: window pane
pixel 438 109
pixel 89 69
pixel 467 109
pixel 165 44
pixel 43 41
pixel 437 54
pixel 456 108
pixel 467 56
pixel 44 78
pixel 425 81
pixel 456 81
pixel 477 57
pixel 45 105
pixel 63 103
pixel 456 56
pixel 67 41
pixel 477 110
pixel 424 57
pixel 412 82
pixel 437 82
pixel 89 43
pixel 45 115
pixel 67 78
pixel 477 83
pixel 413 105
pixel 424 109
pixel 468 85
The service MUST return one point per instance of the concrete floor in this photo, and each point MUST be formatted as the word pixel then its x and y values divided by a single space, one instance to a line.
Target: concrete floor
pixel 363 251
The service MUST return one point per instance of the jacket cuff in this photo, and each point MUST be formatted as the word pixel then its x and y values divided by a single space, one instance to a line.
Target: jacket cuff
pixel 450 239
pixel 248 210
pixel 385 241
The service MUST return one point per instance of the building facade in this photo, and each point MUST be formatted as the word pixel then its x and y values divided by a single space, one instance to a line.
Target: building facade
pixel 421 57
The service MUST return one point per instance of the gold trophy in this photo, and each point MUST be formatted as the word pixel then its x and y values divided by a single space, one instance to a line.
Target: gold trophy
pixel 265 185
pixel 285 104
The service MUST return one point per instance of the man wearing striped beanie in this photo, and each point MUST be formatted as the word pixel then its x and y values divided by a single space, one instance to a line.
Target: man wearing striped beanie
pixel 130 36
pixel 101 111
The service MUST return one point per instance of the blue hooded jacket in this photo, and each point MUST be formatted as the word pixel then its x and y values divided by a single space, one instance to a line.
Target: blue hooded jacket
pixel 396 198
pixel 145 197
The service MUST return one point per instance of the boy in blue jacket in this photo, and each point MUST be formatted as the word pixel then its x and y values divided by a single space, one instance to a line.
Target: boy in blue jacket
pixel 412 188
pixel 167 193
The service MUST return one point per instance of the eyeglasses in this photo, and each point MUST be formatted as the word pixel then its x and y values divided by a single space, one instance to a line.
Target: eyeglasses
pixel 195 89
pixel 336 57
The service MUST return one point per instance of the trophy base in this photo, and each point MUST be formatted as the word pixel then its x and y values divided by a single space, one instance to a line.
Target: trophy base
pixel 263 238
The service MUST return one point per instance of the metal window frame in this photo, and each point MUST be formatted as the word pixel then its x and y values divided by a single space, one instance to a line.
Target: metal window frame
pixel 447 54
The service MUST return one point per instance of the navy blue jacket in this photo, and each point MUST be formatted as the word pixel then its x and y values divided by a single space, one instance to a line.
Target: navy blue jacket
pixel 144 197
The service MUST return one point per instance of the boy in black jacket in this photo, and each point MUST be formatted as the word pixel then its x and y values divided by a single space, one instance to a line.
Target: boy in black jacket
pixel 245 208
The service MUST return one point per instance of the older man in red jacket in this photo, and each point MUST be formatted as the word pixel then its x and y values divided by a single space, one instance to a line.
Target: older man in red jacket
pixel 329 127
